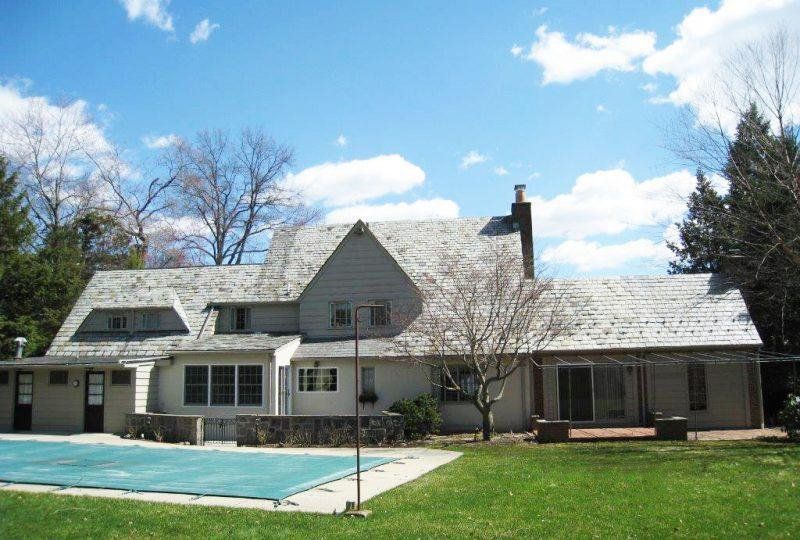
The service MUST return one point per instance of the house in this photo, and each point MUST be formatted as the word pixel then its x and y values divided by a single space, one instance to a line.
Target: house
pixel 277 338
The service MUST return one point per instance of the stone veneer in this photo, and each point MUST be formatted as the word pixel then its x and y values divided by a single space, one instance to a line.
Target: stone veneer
pixel 173 428
pixel 308 430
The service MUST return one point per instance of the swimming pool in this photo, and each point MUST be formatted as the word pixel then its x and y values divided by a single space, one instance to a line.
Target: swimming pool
pixel 258 475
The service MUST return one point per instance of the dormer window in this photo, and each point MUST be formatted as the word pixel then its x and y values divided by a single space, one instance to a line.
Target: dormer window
pixel 380 315
pixel 341 314
pixel 240 319
pixel 150 320
pixel 117 322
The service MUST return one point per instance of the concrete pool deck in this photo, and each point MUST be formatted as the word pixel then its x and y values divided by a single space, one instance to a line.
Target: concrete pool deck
pixel 332 497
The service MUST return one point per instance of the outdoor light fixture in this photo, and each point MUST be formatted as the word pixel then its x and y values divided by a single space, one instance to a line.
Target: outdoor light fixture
pixel 76 383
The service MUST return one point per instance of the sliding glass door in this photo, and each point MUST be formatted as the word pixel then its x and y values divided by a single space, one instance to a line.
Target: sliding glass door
pixel 591 393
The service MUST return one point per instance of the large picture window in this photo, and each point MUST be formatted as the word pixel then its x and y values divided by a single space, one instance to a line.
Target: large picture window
pixel 341 314
pixel 317 379
pixel 698 393
pixel 224 385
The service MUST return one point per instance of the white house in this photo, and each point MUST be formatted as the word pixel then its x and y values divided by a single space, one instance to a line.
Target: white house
pixel 277 338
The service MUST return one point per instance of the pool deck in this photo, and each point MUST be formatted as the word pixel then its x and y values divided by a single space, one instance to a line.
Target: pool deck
pixel 332 497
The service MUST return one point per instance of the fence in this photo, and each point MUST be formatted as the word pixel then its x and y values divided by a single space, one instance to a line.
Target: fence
pixel 219 430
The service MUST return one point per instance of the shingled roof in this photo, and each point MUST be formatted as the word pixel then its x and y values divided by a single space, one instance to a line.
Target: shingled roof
pixel 625 313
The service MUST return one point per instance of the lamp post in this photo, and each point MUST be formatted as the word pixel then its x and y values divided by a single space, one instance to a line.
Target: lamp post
pixel 358 412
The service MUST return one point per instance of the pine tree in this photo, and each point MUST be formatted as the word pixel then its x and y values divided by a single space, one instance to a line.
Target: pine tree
pixel 702 243
pixel 16 228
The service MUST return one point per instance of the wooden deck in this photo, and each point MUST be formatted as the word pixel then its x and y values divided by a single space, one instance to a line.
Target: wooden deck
pixel 611 434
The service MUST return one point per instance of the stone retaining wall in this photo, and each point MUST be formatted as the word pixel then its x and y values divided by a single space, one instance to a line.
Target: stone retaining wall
pixel 173 428
pixel 307 430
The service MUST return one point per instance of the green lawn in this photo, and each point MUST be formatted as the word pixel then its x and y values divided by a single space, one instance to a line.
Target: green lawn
pixel 728 489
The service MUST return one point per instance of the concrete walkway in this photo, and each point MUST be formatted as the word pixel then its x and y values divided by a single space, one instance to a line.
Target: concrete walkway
pixel 411 463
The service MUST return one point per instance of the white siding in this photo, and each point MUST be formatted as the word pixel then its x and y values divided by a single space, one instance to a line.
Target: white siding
pixel 146 381
pixel 358 272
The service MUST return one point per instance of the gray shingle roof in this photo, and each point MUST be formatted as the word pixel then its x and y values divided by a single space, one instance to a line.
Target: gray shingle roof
pixel 235 342
pixel 642 312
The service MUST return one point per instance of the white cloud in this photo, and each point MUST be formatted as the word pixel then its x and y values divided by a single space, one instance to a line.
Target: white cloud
pixel 649 87
pixel 538 12
pixel 601 109
pixel 350 182
pixel 472 158
pixel 564 61
pixel 341 141
pixel 156 142
pixel 420 209
pixel 202 31
pixel 500 171
pixel 516 50
pixel 705 38
pixel 611 202
pixel 534 175
pixel 153 12
pixel 593 256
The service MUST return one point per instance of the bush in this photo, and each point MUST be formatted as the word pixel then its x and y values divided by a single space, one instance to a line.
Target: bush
pixel 789 417
pixel 421 416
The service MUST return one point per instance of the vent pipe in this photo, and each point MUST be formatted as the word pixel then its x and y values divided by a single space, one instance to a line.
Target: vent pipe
pixel 21 342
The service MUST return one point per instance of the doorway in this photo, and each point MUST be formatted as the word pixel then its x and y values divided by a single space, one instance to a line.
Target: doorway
pixel 95 398
pixel 23 401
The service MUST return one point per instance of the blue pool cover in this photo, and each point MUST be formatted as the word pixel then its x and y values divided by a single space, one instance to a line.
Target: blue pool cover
pixel 258 475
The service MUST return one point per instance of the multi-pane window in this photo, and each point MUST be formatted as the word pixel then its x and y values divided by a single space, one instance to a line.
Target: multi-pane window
pixel 95 388
pixel 240 319
pixel 58 376
pixel 368 380
pixel 223 385
pixel 195 385
pixel 3 378
pixel 150 320
pixel 698 393
pixel 380 315
pixel 250 385
pixel 464 377
pixel 317 379
pixel 341 314
pixel 117 322
pixel 121 377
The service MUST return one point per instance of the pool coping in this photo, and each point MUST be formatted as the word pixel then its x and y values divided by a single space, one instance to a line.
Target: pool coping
pixel 327 498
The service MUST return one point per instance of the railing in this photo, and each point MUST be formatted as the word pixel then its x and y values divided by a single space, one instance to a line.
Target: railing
pixel 219 430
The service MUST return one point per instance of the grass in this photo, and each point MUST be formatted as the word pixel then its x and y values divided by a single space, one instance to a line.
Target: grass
pixel 638 489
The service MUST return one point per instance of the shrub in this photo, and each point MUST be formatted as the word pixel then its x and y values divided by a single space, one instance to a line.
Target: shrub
pixel 789 417
pixel 421 415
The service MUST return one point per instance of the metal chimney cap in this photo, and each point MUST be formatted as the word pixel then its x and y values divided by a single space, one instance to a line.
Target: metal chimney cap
pixel 517 187
pixel 20 341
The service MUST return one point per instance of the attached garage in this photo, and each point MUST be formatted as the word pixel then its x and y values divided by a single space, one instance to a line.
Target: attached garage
pixel 74 395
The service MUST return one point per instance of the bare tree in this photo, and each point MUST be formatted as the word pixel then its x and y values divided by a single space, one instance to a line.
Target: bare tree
pixel 141 208
pixel 480 320
pixel 54 148
pixel 233 191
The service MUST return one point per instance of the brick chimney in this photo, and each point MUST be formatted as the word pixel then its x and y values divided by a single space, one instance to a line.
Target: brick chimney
pixel 521 216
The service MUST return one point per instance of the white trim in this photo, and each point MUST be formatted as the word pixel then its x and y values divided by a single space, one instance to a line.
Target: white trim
pixel 318 391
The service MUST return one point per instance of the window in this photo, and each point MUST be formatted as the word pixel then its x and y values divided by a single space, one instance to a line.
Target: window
pixel 151 320
pixel 317 379
pixel 240 319
pixel 58 376
pixel 249 381
pixel 341 314
pixel 367 380
pixel 698 395
pixel 121 377
pixel 587 392
pixel 117 322
pixel 465 379
pixel 220 385
pixel 380 316
pixel 3 378
pixel 195 385
pixel 223 385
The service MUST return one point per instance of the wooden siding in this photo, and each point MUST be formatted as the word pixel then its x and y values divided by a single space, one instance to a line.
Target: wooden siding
pixel 358 272
pixel 264 318
pixel 97 321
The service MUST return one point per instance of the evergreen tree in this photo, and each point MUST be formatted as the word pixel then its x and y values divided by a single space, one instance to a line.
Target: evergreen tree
pixel 16 228
pixel 702 244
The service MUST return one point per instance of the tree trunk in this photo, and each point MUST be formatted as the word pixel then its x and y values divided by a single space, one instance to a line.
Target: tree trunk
pixel 488 424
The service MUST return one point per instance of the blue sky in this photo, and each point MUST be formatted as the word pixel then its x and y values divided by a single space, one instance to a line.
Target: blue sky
pixel 437 109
